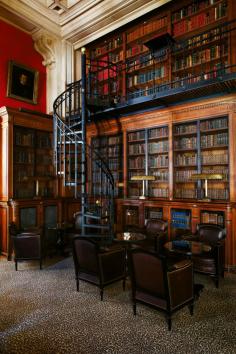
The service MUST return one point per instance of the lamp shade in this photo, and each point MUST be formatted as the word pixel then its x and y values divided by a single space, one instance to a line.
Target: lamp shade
pixel 212 176
pixel 143 178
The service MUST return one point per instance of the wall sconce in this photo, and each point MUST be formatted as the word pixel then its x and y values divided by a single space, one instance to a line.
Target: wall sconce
pixel 206 177
pixel 143 178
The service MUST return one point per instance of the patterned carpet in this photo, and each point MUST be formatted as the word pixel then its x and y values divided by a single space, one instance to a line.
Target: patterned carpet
pixel 41 312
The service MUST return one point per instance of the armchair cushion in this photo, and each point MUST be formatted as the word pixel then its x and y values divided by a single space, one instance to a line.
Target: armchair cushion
pixel 99 267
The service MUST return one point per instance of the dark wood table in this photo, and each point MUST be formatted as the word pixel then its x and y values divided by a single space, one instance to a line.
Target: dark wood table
pixel 187 248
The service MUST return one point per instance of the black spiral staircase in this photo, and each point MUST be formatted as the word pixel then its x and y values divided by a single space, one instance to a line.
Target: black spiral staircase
pixel 78 164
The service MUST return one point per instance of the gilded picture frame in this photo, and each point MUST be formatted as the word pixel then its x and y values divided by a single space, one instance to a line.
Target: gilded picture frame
pixel 22 83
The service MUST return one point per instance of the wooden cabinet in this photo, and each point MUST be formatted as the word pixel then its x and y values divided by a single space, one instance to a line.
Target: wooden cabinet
pixel 28 186
pixel 182 218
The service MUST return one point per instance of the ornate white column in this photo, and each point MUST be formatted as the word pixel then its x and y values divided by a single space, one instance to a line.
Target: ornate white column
pixel 51 49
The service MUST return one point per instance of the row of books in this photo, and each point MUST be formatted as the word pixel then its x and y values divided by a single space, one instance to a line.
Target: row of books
pixel 116 57
pixel 21 174
pixel 214 140
pixel 136 149
pixel 24 157
pixel 44 159
pixel 214 158
pixel 117 139
pixel 161 176
pixel 216 70
pixel 218 123
pixel 44 171
pixel 215 34
pixel 153 214
pixel 135 50
pixel 146 28
pixel 141 78
pixel 191 9
pixel 137 162
pixel 139 135
pixel 186 143
pixel 212 218
pixel 200 57
pixel 184 176
pixel 114 150
pixel 180 219
pixel 158 147
pixel 200 20
pixel 159 192
pixel 158 161
pixel 158 133
pixel 24 139
pixel 114 164
pixel 186 159
pixel 44 141
pixel 222 194
pixel 217 170
pixel 111 44
pixel 185 193
pixel 185 128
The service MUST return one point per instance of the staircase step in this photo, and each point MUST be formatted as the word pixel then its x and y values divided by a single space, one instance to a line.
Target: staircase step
pixel 69 142
pixel 94 226
pixel 92 216
pixel 72 184
pixel 72 133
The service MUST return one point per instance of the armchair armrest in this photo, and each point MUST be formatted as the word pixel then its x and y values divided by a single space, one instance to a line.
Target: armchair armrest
pixel 112 265
pixel 181 284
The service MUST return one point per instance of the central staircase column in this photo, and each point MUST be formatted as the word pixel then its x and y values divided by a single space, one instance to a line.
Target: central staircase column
pixel 83 125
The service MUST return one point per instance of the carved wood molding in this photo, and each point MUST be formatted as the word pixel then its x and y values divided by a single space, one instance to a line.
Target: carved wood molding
pixel 45 45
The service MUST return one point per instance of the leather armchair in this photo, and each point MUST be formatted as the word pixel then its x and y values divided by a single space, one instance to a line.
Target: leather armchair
pixel 97 266
pixel 153 284
pixel 155 231
pixel 27 244
pixel 212 262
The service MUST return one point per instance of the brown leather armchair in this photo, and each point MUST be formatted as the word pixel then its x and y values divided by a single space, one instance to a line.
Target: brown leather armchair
pixel 97 266
pixel 155 231
pixel 212 262
pixel 153 284
pixel 27 244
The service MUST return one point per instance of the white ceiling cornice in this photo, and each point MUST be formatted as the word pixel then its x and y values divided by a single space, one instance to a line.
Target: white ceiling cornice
pixel 106 19
pixel 33 13
pixel 84 21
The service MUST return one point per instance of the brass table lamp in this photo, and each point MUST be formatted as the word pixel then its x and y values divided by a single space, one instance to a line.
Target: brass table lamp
pixel 206 177
pixel 143 178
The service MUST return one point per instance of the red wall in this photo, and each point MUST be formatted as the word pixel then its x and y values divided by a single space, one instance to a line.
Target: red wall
pixel 18 46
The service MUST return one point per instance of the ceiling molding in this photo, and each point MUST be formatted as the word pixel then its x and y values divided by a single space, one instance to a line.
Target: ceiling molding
pixel 31 14
pixel 112 19
pixel 83 22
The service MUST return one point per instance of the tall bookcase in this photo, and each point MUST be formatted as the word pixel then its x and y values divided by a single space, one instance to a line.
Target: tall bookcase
pixel 200 36
pixel 33 174
pixel 110 148
pixel 201 147
pixel 28 188
pixel 147 153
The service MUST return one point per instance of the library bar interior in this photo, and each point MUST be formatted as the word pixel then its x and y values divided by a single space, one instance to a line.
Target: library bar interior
pixel 118 176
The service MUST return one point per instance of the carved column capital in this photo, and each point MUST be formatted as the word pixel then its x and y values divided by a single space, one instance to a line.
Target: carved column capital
pixel 44 43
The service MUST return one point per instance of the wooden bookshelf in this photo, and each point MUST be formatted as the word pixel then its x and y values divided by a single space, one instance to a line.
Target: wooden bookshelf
pixel 191 138
pixel 201 147
pixel 148 155
pixel 111 150
pixel 30 193
pixel 201 50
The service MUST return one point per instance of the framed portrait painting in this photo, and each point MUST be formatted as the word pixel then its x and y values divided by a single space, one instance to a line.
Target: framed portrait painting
pixel 22 82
